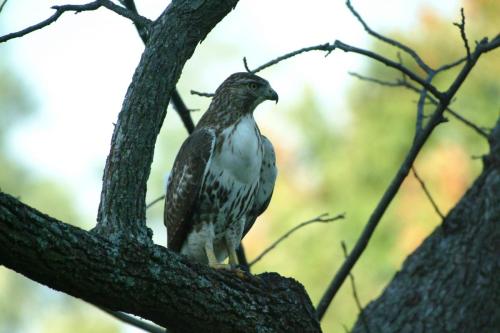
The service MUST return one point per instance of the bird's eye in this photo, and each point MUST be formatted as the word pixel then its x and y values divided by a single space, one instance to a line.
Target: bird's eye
pixel 252 85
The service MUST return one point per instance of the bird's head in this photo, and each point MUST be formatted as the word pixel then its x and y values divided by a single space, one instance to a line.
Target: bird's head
pixel 248 89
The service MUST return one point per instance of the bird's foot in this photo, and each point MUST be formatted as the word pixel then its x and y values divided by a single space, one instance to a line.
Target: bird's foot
pixel 217 265
pixel 239 272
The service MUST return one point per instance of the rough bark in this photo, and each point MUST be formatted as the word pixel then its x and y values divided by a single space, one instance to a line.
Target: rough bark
pixel 451 282
pixel 172 40
pixel 148 281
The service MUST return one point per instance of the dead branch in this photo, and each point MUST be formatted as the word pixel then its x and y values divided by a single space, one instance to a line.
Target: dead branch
pixel 2 5
pixel 405 84
pixel 323 218
pixel 461 27
pixel 152 203
pixel 330 47
pixel 202 94
pixel 390 41
pixel 355 291
pixel 427 192
pixel 77 9
pixel 143 325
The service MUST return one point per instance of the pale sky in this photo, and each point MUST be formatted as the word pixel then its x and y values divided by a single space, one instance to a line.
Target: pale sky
pixel 79 68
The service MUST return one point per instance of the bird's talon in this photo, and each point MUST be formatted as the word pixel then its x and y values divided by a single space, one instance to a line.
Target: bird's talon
pixel 239 272
pixel 220 266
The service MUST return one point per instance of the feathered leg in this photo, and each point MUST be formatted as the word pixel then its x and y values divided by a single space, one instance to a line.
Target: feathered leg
pixel 212 260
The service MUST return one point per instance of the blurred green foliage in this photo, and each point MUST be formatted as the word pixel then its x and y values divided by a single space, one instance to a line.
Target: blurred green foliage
pixel 26 306
pixel 348 169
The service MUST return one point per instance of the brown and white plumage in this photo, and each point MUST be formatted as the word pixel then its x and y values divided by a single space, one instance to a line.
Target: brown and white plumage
pixel 223 175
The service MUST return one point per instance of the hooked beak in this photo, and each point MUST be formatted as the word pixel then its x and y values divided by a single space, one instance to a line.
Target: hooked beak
pixel 272 95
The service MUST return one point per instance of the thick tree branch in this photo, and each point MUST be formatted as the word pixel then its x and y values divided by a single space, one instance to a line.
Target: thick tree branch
pixel 176 99
pixel 148 281
pixel 77 9
pixel 437 117
pixel 172 40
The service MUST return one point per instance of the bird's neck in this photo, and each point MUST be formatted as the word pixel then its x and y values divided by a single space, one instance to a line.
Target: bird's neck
pixel 223 113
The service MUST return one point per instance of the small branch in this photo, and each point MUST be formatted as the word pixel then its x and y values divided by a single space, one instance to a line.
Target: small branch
pixel 141 30
pixel 323 47
pixel 445 98
pixel 467 122
pixel 134 17
pixel 375 80
pixel 143 325
pixel 323 218
pixel 77 9
pixel 461 27
pixel 390 41
pixel 355 292
pixel 202 94
pixel 405 84
pixel 246 65
pixel 2 5
pixel 160 198
pixel 348 48
pixel 450 65
pixel 420 106
pixel 427 192
pixel 182 110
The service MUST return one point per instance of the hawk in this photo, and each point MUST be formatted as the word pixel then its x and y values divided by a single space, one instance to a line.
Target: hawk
pixel 223 176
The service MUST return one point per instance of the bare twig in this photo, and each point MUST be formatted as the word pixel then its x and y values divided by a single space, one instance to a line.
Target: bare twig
pixel 134 321
pixel 355 291
pixel 246 65
pixel 2 5
pixel 405 84
pixel 142 30
pixel 323 47
pixel 375 80
pixel 202 94
pixel 77 9
pixel 450 65
pixel 348 48
pixel 182 110
pixel 427 192
pixel 152 203
pixel 323 218
pixel 461 27
pixel 390 41
pixel 444 100
pixel 420 106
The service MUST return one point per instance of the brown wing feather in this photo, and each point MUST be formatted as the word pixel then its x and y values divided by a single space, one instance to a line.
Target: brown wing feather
pixel 184 186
